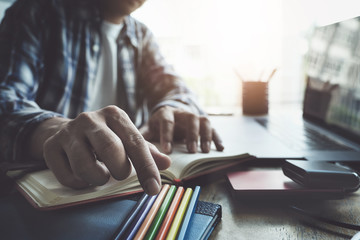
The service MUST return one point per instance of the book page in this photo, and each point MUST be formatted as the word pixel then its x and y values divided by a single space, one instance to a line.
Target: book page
pixel 182 160
pixel 45 189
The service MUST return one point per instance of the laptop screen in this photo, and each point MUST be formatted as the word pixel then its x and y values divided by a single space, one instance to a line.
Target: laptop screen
pixel 332 66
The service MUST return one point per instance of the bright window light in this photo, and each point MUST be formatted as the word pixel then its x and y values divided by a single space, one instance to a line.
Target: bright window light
pixel 205 40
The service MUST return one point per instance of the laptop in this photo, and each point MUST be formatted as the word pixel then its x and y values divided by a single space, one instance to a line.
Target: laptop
pixel 327 125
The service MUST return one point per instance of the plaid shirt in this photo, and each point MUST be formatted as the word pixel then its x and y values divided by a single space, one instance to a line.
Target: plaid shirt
pixel 49 50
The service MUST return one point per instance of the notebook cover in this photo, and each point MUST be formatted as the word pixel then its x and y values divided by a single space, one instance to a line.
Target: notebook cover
pixel 100 220
pixel 135 211
pixel 207 216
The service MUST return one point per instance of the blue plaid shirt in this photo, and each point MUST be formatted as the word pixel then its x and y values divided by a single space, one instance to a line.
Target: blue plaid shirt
pixel 49 50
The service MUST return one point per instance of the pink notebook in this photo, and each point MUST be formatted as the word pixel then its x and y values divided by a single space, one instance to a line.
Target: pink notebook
pixel 275 185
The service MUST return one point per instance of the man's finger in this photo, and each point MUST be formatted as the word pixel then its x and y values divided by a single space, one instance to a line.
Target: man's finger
pixel 167 124
pixel 84 164
pixel 192 131
pixel 56 160
pixel 109 149
pixel 217 140
pixel 136 148
pixel 205 134
pixel 162 161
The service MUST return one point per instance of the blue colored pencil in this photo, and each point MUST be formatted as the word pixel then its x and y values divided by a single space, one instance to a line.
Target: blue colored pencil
pixel 189 213
pixel 132 230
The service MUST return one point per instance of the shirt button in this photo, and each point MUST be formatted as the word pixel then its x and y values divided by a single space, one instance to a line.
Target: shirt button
pixel 95 48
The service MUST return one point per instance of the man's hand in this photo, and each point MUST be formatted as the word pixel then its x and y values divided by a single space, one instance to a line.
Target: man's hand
pixel 88 149
pixel 169 123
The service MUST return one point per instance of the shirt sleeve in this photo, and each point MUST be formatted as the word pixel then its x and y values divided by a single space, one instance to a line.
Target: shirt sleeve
pixel 161 85
pixel 21 66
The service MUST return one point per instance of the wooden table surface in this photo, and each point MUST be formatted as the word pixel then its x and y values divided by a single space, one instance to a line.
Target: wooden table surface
pixel 274 220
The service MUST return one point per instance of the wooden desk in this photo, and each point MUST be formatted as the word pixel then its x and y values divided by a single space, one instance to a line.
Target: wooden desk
pixel 273 220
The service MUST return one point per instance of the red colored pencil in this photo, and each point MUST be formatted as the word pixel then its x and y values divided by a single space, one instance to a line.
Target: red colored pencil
pixel 170 214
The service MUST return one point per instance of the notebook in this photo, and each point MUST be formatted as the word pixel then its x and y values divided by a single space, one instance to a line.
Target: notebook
pixel 271 184
pixel 327 125
pixel 19 220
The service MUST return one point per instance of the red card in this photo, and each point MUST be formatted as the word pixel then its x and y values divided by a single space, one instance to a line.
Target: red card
pixel 273 184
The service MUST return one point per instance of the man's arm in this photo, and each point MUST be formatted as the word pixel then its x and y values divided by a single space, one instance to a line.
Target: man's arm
pixel 21 61
pixel 175 113
pixel 80 152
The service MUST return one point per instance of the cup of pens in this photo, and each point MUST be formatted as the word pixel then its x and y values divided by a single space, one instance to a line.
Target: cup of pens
pixel 255 96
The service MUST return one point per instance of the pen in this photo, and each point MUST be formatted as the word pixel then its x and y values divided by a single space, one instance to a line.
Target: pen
pixel 189 213
pixel 161 214
pixel 130 217
pixel 271 75
pixel 150 216
pixel 139 218
pixel 170 214
pixel 179 215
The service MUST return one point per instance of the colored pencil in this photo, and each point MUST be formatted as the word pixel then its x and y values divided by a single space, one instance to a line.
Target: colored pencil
pixel 170 214
pixel 135 225
pixel 189 213
pixel 160 214
pixel 151 215
pixel 179 215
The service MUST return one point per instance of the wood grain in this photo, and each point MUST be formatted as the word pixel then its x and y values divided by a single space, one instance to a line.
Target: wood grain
pixel 262 219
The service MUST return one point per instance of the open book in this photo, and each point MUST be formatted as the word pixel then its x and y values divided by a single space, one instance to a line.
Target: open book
pixel 44 191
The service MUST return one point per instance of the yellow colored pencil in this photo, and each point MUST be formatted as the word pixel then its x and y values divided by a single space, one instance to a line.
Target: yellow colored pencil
pixel 179 215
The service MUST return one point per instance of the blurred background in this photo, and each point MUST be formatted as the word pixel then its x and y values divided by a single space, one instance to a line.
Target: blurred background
pixel 208 40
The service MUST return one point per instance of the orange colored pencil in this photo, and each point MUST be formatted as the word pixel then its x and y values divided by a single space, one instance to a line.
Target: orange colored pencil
pixel 170 214
pixel 152 213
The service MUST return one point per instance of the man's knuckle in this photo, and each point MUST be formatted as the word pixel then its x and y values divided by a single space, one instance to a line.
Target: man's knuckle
pixel 136 139
pixel 84 119
pixel 204 121
pixel 135 142
pixel 110 110
pixel 168 121
pixel 114 113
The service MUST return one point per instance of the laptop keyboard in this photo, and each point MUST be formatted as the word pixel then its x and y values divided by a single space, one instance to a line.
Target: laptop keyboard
pixel 300 137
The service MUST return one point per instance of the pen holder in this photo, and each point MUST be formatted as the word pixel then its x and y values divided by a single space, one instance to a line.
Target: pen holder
pixel 255 98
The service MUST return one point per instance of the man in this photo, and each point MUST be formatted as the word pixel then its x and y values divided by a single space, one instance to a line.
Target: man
pixel 77 80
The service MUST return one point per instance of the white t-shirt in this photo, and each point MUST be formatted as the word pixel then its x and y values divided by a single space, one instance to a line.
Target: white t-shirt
pixel 103 89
